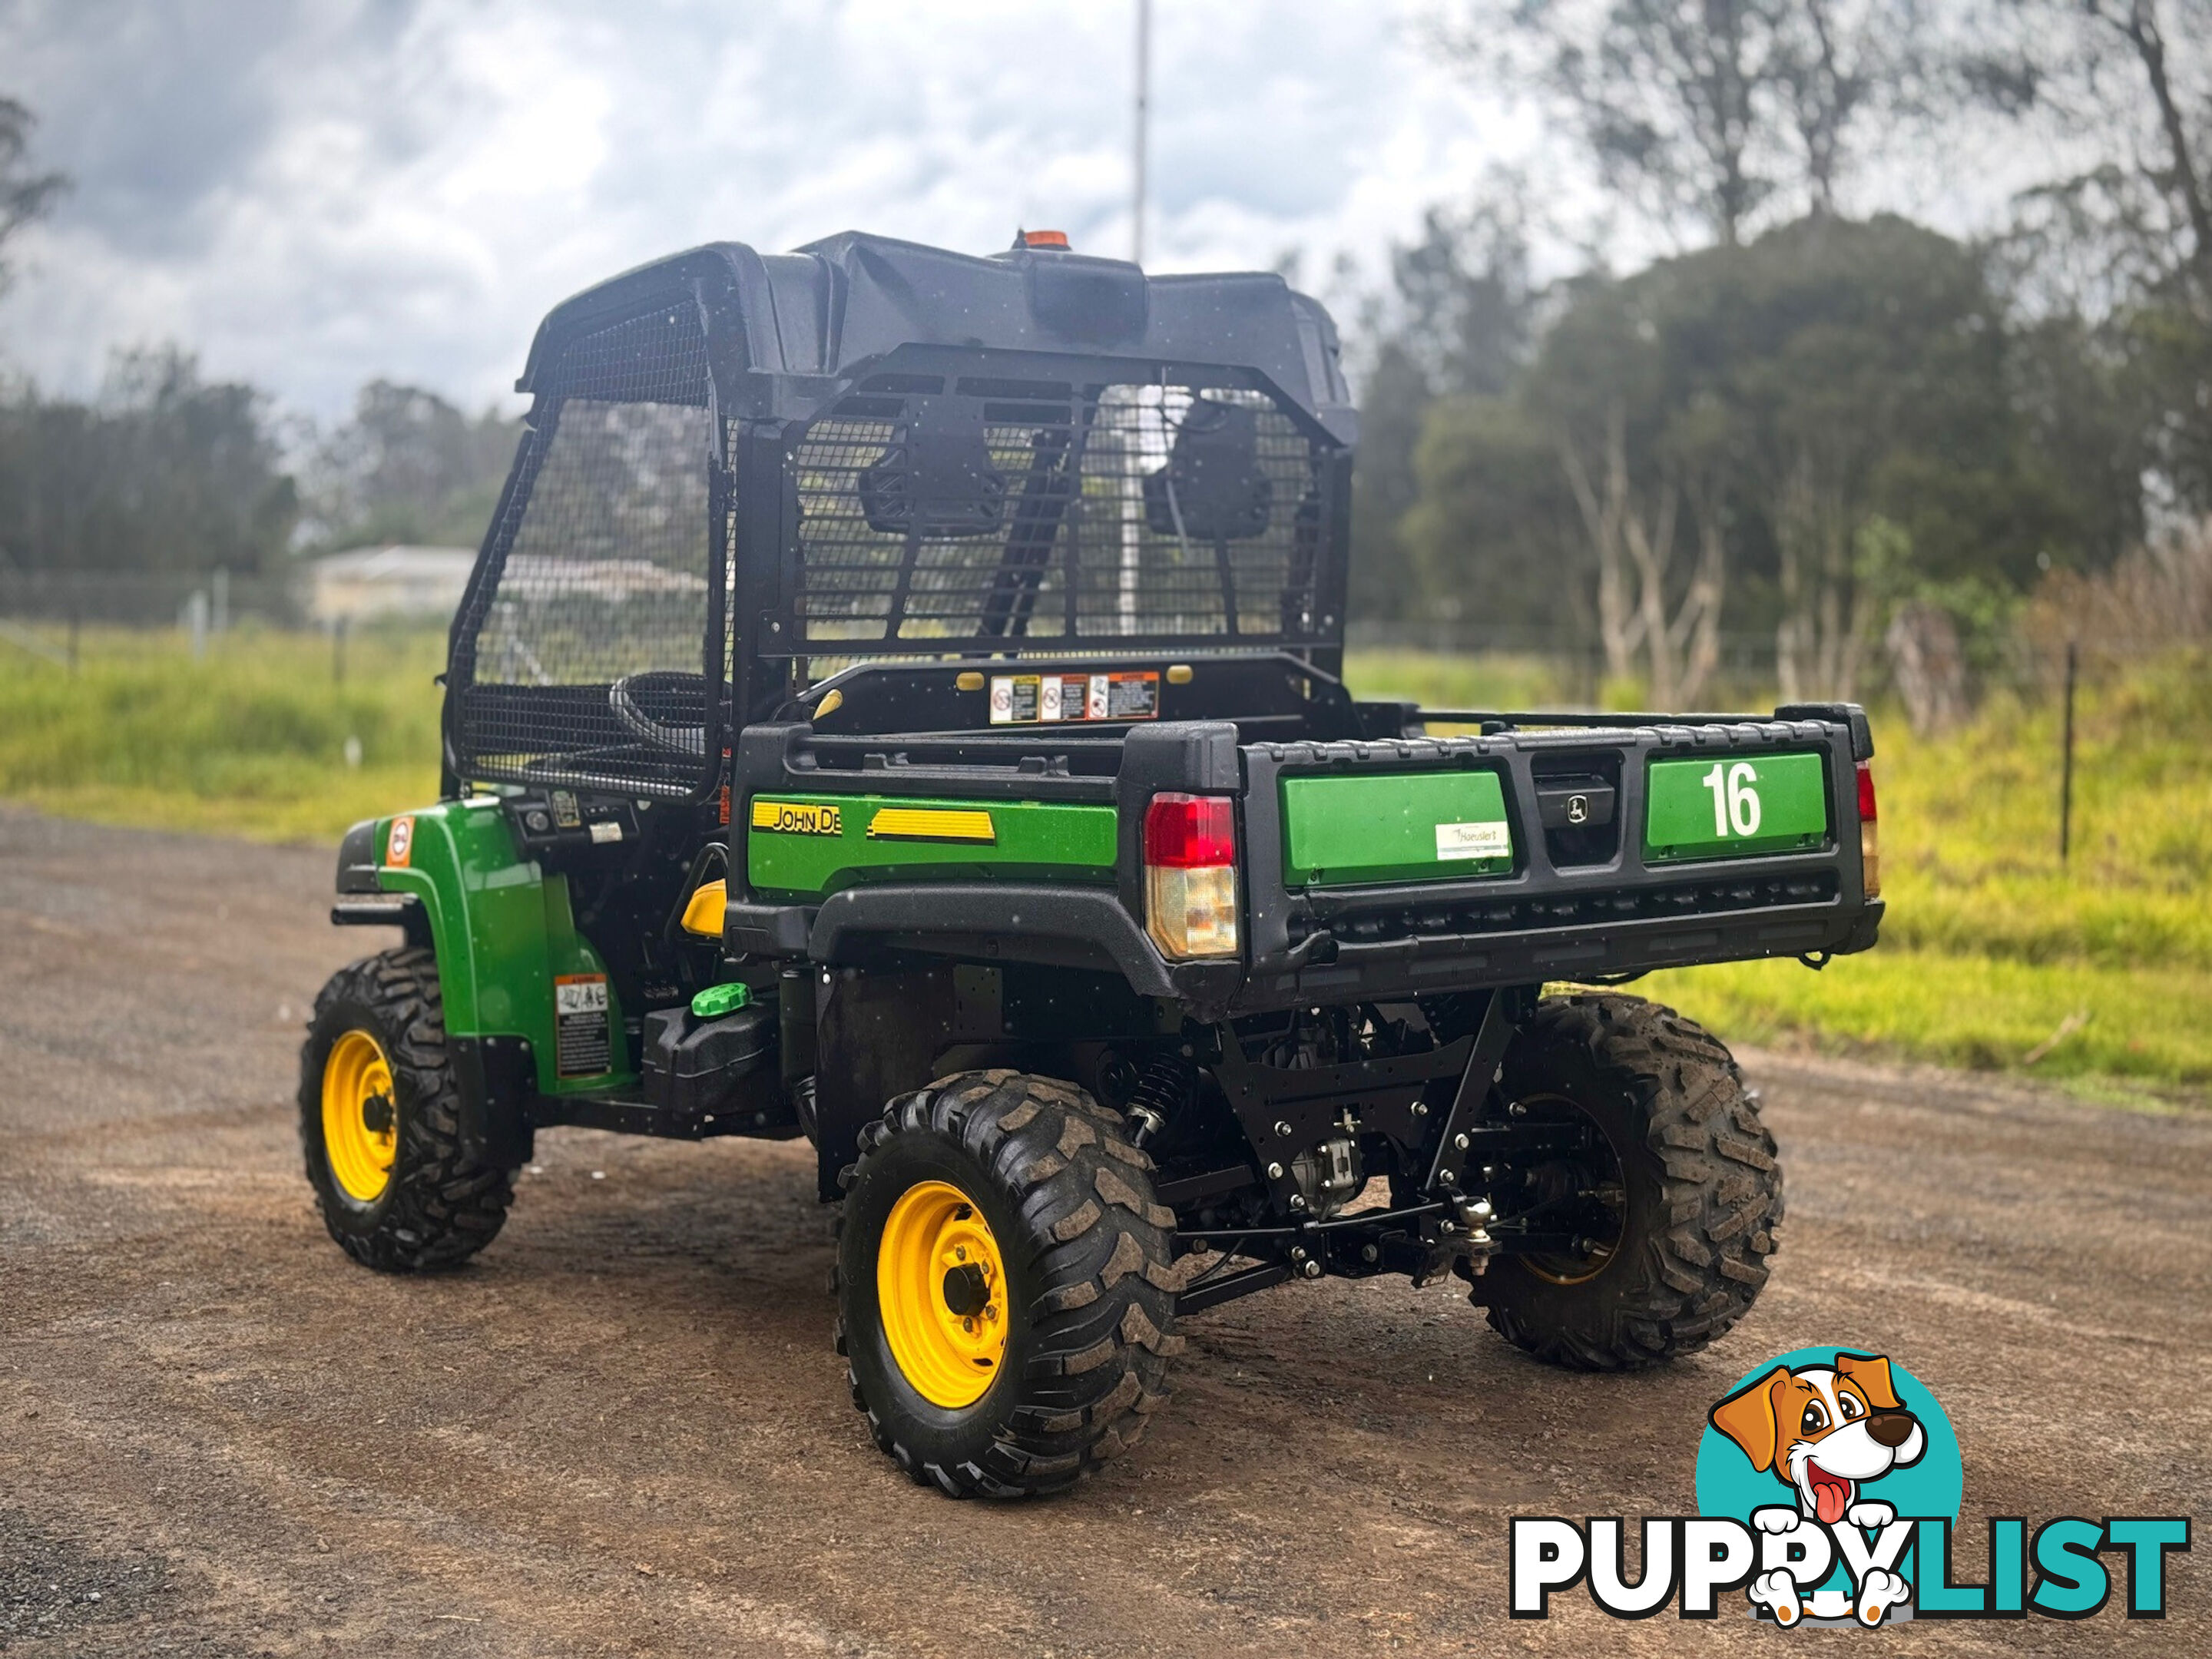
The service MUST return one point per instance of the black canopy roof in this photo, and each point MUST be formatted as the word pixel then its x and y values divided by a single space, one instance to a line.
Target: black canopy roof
pixel 788 331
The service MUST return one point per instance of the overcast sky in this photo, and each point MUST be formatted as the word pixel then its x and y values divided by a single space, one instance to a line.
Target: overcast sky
pixel 313 192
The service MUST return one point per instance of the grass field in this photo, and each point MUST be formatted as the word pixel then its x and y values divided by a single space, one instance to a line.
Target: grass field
pixel 1991 951
pixel 1991 948
pixel 249 741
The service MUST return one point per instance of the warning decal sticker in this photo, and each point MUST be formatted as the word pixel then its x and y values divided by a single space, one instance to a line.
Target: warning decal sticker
pixel 1024 699
pixel 580 1024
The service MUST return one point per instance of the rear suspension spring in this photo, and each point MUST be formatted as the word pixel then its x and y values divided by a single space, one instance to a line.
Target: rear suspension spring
pixel 1161 1091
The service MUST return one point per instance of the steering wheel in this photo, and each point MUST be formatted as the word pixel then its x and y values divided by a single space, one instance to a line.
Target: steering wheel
pixel 629 696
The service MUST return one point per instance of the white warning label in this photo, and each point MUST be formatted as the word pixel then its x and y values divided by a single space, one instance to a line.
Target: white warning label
pixel 1051 699
pixel 580 1024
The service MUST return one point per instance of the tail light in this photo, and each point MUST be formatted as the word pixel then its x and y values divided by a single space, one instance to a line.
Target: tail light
pixel 1870 848
pixel 1190 875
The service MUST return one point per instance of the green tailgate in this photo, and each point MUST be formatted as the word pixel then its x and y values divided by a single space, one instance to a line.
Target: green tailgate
pixel 804 845
pixel 1395 826
pixel 1729 805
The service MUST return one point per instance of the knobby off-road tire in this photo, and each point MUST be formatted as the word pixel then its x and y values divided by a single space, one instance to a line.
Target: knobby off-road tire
pixel 1089 1310
pixel 1703 1186
pixel 439 1207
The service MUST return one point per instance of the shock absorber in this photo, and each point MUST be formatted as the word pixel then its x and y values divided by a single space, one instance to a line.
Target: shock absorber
pixel 1164 1090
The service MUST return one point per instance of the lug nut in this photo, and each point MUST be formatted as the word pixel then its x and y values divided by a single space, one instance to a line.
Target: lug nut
pixel 1368 1253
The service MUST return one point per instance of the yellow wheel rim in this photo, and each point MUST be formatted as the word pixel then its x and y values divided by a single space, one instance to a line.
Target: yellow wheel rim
pixel 361 1116
pixel 941 1284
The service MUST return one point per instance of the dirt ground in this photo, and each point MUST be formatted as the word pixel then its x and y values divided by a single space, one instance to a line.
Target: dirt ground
pixel 622 1430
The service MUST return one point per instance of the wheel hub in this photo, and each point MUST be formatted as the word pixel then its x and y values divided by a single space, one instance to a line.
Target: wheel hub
pixel 966 1289
pixel 1580 1193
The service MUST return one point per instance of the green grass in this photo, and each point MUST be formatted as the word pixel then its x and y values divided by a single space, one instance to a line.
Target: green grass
pixel 249 741
pixel 1991 948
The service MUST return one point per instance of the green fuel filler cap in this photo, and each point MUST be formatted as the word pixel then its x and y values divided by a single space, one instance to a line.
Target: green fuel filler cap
pixel 719 999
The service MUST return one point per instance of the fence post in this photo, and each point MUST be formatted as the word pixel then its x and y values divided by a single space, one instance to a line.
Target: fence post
pixel 196 622
pixel 2066 762
pixel 222 624
pixel 337 650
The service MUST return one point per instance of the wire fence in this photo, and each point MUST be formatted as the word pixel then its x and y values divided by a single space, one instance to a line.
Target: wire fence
pixel 1936 685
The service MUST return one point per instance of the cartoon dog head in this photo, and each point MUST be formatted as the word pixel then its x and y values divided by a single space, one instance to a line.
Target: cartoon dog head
pixel 1824 1431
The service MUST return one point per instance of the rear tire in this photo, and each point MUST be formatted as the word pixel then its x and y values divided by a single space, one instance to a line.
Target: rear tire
pixel 1032 1175
pixel 1701 1185
pixel 396 1192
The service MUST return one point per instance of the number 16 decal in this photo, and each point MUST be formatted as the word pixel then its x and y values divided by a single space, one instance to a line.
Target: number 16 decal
pixel 1736 802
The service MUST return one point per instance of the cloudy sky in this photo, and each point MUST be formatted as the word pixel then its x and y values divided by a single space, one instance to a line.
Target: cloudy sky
pixel 313 192
pixel 310 192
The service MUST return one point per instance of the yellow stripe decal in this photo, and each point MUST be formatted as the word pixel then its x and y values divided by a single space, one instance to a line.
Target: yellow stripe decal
pixel 930 823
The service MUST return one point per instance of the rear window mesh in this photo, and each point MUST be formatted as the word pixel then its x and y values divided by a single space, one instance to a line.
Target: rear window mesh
pixel 602 577
pixel 987 513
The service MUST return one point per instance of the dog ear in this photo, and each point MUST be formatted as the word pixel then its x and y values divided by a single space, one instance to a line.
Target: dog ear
pixel 1871 1373
pixel 1747 1417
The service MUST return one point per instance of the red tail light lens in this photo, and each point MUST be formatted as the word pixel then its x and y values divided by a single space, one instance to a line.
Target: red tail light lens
pixel 1190 832
pixel 1190 875
pixel 1869 842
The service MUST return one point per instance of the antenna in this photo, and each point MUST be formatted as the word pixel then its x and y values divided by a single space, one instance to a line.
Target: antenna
pixel 1144 110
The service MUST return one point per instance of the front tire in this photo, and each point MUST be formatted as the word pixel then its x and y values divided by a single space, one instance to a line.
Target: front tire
pixel 1673 1207
pixel 379 1122
pixel 1005 1302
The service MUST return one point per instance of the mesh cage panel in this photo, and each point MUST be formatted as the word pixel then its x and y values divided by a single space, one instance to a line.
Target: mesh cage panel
pixel 582 660
pixel 988 512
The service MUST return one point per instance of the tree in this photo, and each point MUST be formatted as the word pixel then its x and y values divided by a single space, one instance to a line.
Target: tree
pixel 1701 113
pixel 2123 90
pixel 1797 435
pixel 408 467
pixel 1457 322
pixel 164 472
pixel 1642 449
pixel 24 195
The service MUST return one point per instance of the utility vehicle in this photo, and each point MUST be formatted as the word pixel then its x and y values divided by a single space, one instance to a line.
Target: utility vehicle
pixel 900 703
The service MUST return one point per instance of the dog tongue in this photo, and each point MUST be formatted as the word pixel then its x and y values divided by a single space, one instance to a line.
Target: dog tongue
pixel 1830 1497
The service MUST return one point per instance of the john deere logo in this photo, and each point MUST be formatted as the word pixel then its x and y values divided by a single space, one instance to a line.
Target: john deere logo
pixel 797 818
pixel 1828 1483
pixel 1577 809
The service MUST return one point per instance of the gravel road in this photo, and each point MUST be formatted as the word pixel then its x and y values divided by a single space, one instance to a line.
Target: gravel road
pixel 623 1430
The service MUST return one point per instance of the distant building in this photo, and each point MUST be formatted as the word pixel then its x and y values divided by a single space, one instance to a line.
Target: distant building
pixel 388 582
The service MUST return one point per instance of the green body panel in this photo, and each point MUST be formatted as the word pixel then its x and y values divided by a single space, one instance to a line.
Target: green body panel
pixel 1395 826
pixel 503 932
pixel 1685 816
pixel 1030 840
